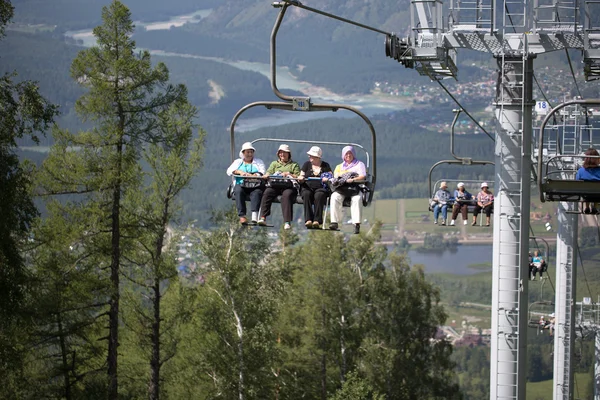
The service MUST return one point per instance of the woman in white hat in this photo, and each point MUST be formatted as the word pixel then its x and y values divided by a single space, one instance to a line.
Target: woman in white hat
pixel 441 198
pixel 315 192
pixel 485 203
pixel 282 167
pixel 247 189
pixel 462 199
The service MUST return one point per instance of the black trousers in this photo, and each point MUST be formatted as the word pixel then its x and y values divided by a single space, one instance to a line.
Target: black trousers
pixel 487 210
pixel 314 203
pixel 288 197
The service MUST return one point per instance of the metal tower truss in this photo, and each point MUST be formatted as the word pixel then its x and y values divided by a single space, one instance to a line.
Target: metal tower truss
pixel 556 16
pixel 591 45
pixel 496 27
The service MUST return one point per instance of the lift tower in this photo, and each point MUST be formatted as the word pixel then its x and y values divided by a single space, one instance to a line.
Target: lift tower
pixel 514 32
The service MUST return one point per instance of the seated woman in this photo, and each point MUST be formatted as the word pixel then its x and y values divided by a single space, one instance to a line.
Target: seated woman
pixel 462 199
pixel 282 167
pixel 589 172
pixel 344 178
pixel 485 203
pixel 537 265
pixel 440 202
pixel 314 192
pixel 246 166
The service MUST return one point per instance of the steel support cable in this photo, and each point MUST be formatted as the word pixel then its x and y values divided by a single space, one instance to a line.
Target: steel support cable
pixel 584 274
pixel 541 91
pixel 464 109
pixel 570 64
pixel 296 3
pixel 573 73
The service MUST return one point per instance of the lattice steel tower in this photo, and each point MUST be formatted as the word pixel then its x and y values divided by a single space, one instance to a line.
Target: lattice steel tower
pixel 514 32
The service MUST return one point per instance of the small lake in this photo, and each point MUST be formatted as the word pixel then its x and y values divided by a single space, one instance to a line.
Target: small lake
pixel 455 261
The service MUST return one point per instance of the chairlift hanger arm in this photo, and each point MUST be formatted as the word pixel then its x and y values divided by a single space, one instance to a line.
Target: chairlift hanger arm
pixel 459 162
pixel 298 4
pixel 589 102
pixel 284 5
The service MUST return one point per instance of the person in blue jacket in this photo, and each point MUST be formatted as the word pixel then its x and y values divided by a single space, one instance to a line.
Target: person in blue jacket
pixel 462 199
pixel 590 172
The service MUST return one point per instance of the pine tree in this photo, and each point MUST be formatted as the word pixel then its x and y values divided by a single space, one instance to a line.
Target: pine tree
pixel 99 169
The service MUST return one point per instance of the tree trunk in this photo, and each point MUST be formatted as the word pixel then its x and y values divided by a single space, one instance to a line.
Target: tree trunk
pixel 63 353
pixel 155 337
pixel 113 314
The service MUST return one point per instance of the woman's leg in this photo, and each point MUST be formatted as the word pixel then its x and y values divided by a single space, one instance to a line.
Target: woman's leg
pixel 445 213
pixel 355 208
pixel 464 210
pixel 436 212
pixel 267 199
pixel 455 210
pixel 240 200
pixel 337 200
pixel 309 198
pixel 476 213
pixel 288 198
pixel 255 197
pixel 320 200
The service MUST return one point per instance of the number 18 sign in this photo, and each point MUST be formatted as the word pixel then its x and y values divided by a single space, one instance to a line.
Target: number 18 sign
pixel 542 107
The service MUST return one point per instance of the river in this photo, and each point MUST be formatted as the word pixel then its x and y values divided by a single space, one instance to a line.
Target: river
pixel 455 261
pixel 370 104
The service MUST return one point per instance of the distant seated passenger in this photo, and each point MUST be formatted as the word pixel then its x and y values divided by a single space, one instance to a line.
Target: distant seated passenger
pixel 485 203
pixel 462 199
pixel 246 188
pixel 440 202
pixel 344 185
pixel 590 172
pixel 537 265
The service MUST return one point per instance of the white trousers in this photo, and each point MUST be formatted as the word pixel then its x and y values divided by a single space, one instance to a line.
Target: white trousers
pixel 337 201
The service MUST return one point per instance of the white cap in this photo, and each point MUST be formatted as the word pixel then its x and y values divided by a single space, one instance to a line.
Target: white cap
pixel 460 184
pixel 484 184
pixel 284 147
pixel 248 146
pixel 315 151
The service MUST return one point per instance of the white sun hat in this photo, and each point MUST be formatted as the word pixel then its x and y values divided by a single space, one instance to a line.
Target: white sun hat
pixel 484 184
pixel 315 151
pixel 284 147
pixel 460 184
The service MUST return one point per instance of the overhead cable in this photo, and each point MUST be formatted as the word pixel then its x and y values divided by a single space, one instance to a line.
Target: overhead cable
pixel 296 3
pixel 464 109
pixel 573 74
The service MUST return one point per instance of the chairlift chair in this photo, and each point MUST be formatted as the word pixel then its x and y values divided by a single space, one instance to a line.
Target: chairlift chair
pixel 556 173
pixel 305 104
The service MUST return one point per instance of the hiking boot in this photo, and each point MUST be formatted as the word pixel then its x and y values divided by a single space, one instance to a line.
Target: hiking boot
pixel 333 226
